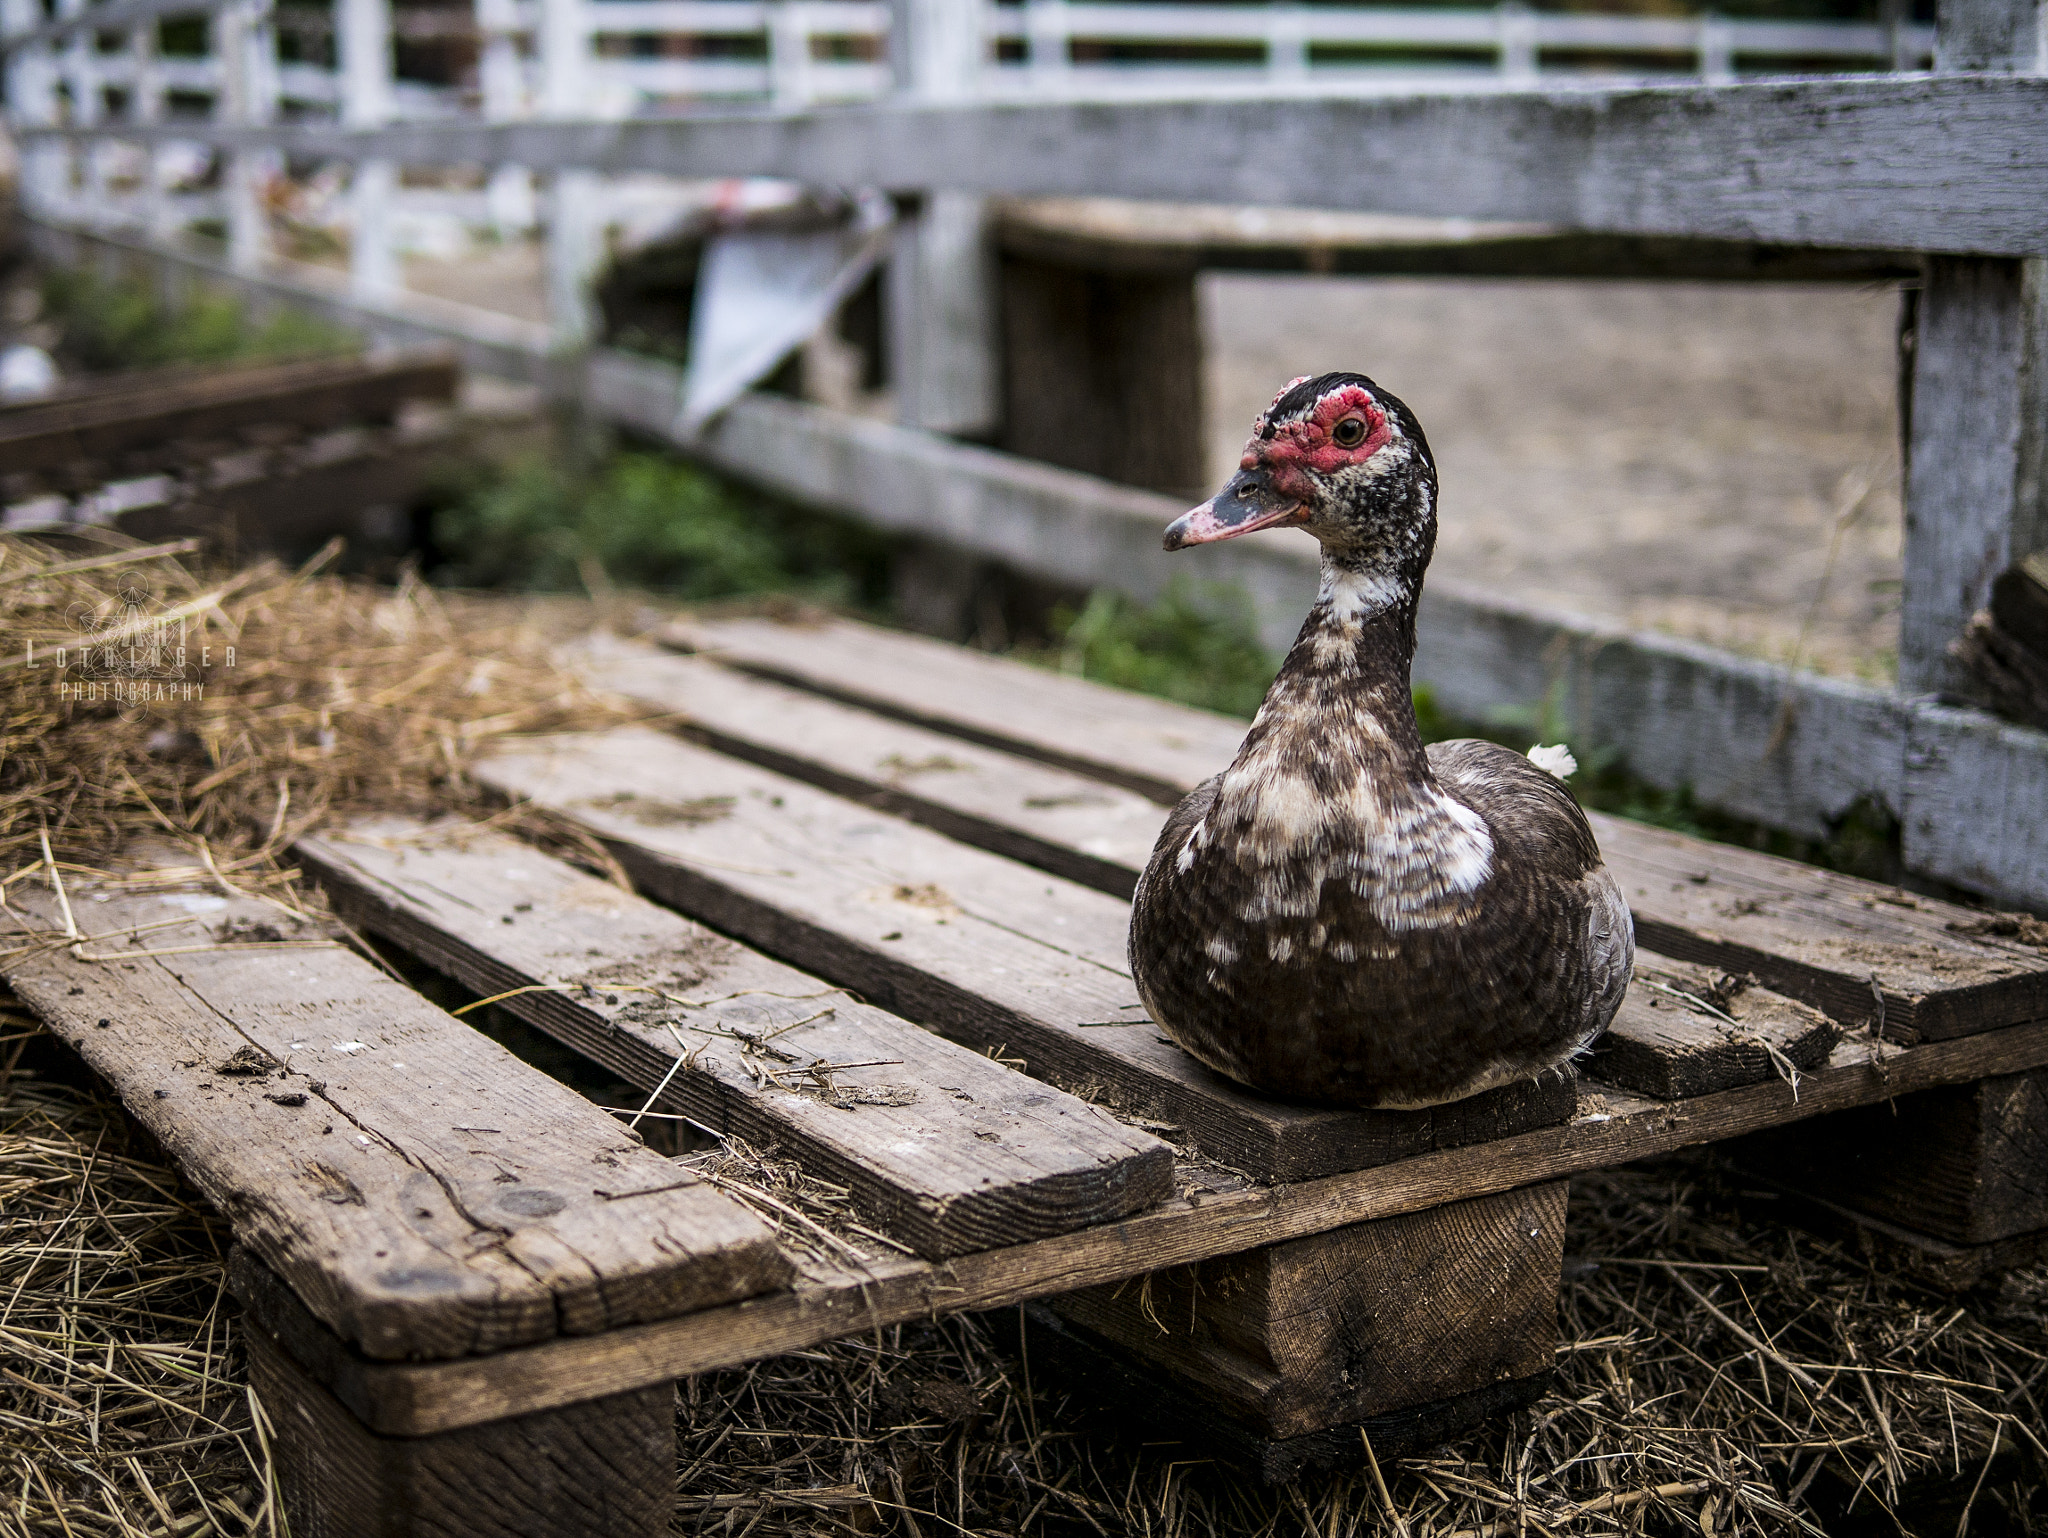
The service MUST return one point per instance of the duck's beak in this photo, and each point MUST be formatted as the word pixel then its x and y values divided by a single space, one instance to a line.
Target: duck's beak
pixel 1247 503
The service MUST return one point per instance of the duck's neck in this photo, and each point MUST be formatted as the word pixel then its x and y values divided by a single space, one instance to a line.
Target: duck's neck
pixel 1351 660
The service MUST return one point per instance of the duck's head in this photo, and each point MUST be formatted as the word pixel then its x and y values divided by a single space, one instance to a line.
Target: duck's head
pixel 1339 457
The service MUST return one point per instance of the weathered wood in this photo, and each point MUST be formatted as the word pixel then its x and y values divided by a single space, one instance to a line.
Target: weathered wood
pixel 991 953
pixel 427 1193
pixel 1072 825
pixel 1298 1337
pixel 1967 1164
pixel 1684 1030
pixel 1930 1261
pixel 1121 1391
pixel 1102 373
pixel 1215 1217
pixel 942 1148
pixel 945 336
pixel 1944 163
pixel 1855 949
pixel 323 393
pixel 1973 452
pixel 604 1468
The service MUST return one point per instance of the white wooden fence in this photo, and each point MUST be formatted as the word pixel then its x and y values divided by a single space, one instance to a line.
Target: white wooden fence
pixel 1952 163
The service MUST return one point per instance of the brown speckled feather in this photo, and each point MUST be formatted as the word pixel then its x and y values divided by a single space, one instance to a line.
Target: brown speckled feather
pixel 1342 916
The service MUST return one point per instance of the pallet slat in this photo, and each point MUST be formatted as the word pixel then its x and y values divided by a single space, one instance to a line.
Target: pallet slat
pixel 320 393
pixel 1864 953
pixel 1611 1127
pixel 985 950
pixel 1098 834
pixel 424 1191
pixel 944 1149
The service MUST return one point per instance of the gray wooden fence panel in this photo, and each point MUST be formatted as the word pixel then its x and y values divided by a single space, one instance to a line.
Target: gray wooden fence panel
pixel 1939 163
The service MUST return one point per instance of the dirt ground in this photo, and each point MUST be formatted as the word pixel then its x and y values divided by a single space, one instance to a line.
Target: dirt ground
pixel 1684 456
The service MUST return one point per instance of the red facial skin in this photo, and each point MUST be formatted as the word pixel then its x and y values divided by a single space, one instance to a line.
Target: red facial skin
pixel 1287 457
pixel 1307 445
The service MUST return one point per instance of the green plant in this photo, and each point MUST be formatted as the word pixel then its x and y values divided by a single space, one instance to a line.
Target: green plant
pixel 647 521
pixel 108 324
pixel 1198 645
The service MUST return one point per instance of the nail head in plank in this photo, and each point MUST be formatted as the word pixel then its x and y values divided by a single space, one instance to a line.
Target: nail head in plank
pixel 1830 940
pixel 426 1192
pixel 1612 1127
pixel 1685 1030
pixel 942 1148
pixel 978 947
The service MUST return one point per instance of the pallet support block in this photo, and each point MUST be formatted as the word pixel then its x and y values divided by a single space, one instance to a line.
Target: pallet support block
pixel 1964 1166
pixel 1431 1318
pixel 604 1468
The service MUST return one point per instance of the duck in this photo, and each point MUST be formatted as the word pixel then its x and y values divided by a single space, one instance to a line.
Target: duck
pixel 1343 915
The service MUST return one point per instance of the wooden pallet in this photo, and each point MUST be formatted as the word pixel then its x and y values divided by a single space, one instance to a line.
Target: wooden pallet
pixel 882 928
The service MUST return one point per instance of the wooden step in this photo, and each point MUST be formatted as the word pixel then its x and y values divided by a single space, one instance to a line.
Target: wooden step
pixel 996 955
pixel 942 1148
pixel 425 1192
pixel 1914 967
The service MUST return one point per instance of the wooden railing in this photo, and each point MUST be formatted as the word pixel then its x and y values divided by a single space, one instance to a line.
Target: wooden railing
pixel 1948 169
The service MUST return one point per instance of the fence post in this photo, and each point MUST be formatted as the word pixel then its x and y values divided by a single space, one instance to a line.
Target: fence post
pixel 789 56
pixel 1045 23
pixel 502 80
pixel 1717 50
pixel 363 31
pixel 1518 59
pixel 245 43
pixel 943 325
pixel 1287 46
pixel 1975 413
pixel 575 238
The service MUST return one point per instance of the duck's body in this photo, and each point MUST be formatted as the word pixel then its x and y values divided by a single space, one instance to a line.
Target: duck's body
pixel 1342 915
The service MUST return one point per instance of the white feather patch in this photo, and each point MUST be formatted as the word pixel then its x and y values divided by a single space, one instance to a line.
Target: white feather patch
pixel 1556 761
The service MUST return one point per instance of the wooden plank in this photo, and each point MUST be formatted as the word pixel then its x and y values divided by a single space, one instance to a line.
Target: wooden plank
pixel 325 393
pixel 1830 940
pixel 942 1148
pixel 604 1468
pixel 424 1191
pixel 1967 1164
pixel 1295 1338
pixel 1951 163
pixel 1215 1217
pixel 1072 825
pixel 1684 1030
pixel 989 952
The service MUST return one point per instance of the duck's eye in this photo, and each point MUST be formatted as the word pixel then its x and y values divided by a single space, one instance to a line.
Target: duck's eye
pixel 1349 433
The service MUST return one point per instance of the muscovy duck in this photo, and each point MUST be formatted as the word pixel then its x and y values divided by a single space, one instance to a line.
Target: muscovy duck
pixel 1342 915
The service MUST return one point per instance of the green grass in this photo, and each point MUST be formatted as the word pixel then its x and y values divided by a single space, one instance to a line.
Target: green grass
pixel 1200 646
pixel 107 325
pixel 550 524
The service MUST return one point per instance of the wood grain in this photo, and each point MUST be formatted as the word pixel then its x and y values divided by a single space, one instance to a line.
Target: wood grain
pixel 942 1148
pixel 1214 1217
pixel 1377 1317
pixel 989 952
pixel 1932 163
pixel 426 1193
pixel 1685 1030
pixel 1827 939
pixel 604 1468
pixel 1967 1164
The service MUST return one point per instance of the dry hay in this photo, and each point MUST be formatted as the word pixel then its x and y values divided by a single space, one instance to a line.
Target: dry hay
pixel 121 1401
pixel 142 695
